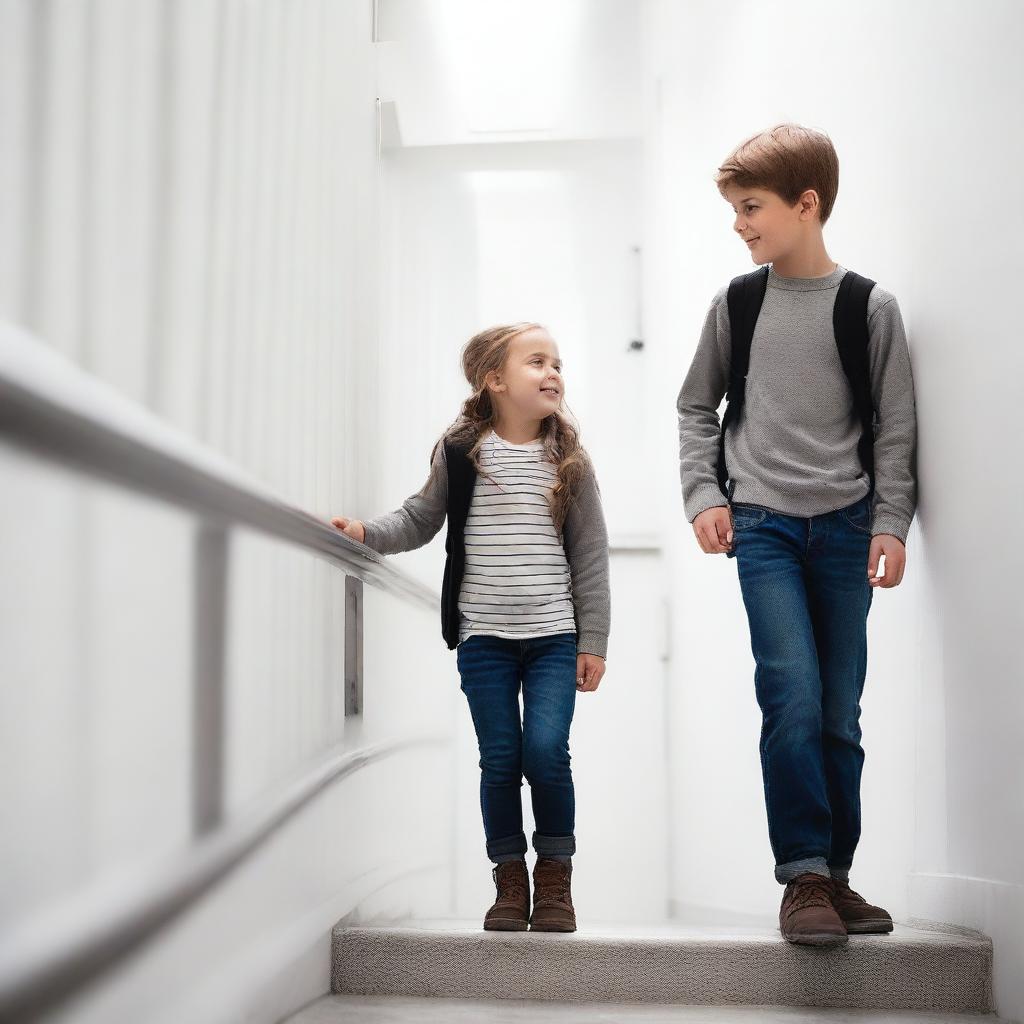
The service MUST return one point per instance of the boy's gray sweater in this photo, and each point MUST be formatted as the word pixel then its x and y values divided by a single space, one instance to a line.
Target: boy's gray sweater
pixel 585 540
pixel 794 447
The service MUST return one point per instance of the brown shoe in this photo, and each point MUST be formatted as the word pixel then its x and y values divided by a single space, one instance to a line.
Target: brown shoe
pixel 552 897
pixel 807 916
pixel 511 910
pixel 859 916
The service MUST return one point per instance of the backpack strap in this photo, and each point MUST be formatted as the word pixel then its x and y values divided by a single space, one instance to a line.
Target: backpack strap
pixel 461 480
pixel 746 294
pixel 850 323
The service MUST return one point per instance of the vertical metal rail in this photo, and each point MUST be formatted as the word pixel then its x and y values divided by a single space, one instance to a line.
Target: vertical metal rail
pixel 353 646
pixel 208 676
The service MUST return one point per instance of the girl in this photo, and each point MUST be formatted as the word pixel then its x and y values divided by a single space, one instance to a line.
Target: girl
pixel 525 600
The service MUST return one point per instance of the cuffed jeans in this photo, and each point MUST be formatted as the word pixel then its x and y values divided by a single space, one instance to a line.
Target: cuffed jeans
pixel 534 745
pixel 806 592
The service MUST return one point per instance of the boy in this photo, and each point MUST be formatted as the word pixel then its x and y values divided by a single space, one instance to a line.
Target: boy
pixel 808 482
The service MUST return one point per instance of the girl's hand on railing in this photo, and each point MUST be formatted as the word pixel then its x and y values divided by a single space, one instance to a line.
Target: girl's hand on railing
pixel 350 527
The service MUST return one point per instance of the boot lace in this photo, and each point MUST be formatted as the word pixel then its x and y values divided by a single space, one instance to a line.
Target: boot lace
pixel 844 892
pixel 552 883
pixel 811 891
pixel 511 884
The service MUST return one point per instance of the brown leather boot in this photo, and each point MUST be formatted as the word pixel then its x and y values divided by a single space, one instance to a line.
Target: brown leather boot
pixel 552 897
pixel 511 910
pixel 859 916
pixel 807 916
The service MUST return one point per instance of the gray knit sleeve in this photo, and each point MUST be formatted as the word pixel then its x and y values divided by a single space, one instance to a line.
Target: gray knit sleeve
pixel 892 387
pixel 419 518
pixel 585 537
pixel 697 406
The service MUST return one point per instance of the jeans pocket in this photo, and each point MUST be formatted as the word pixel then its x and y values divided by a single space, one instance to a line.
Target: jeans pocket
pixel 747 517
pixel 859 517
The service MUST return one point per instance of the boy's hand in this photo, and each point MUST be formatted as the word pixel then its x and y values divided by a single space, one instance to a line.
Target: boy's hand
pixel 895 560
pixel 589 670
pixel 713 529
pixel 350 527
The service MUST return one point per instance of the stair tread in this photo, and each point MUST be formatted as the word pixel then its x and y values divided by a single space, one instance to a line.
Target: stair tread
pixel 914 968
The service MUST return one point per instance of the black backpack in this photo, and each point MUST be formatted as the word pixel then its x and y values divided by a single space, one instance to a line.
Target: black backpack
pixel 850 323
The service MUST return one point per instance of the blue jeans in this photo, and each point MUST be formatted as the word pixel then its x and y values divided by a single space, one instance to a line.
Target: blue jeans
pixel 535 745
pixel 806 591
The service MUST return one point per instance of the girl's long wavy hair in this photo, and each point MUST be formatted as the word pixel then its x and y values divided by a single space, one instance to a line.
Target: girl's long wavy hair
pixel 486 352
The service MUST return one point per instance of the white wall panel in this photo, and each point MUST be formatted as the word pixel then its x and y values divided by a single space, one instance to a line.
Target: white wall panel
pixel 190 211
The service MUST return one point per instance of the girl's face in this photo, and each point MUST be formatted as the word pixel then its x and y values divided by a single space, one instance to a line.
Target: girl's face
pixel 530 383
pixel 769 227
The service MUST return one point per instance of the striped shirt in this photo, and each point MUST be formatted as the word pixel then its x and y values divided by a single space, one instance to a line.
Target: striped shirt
pixel 516 582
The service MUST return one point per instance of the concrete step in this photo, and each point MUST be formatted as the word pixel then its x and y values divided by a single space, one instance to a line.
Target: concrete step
pixel 413 1010
pixel 914 968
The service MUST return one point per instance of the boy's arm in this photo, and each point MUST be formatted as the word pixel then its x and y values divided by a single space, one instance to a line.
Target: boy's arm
pixel 892 388
pixel 419 518
pixel 697 406
pixel 586 549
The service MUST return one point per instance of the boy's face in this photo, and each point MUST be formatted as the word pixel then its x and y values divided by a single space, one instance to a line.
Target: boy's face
pixel 531 379
pixel 768 225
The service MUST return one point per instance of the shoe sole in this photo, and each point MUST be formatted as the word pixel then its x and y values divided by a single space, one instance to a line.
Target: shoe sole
pixel 869 927
pixel 552 927
pixel 505 924
pixel 820 939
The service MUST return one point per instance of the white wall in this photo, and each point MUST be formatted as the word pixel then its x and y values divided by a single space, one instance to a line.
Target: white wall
pixel 921 101
pixel 189 211
pixel 463 72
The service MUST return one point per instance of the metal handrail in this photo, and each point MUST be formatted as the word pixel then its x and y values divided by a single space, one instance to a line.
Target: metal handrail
pixel 56 410
pixel 64 414
pixel 52 956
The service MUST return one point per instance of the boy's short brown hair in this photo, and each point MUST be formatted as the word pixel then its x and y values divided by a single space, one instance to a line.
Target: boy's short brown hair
pixel 787 160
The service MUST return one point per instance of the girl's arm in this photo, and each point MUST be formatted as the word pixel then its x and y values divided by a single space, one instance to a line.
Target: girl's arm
pixel 419 518
pixel 585 537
